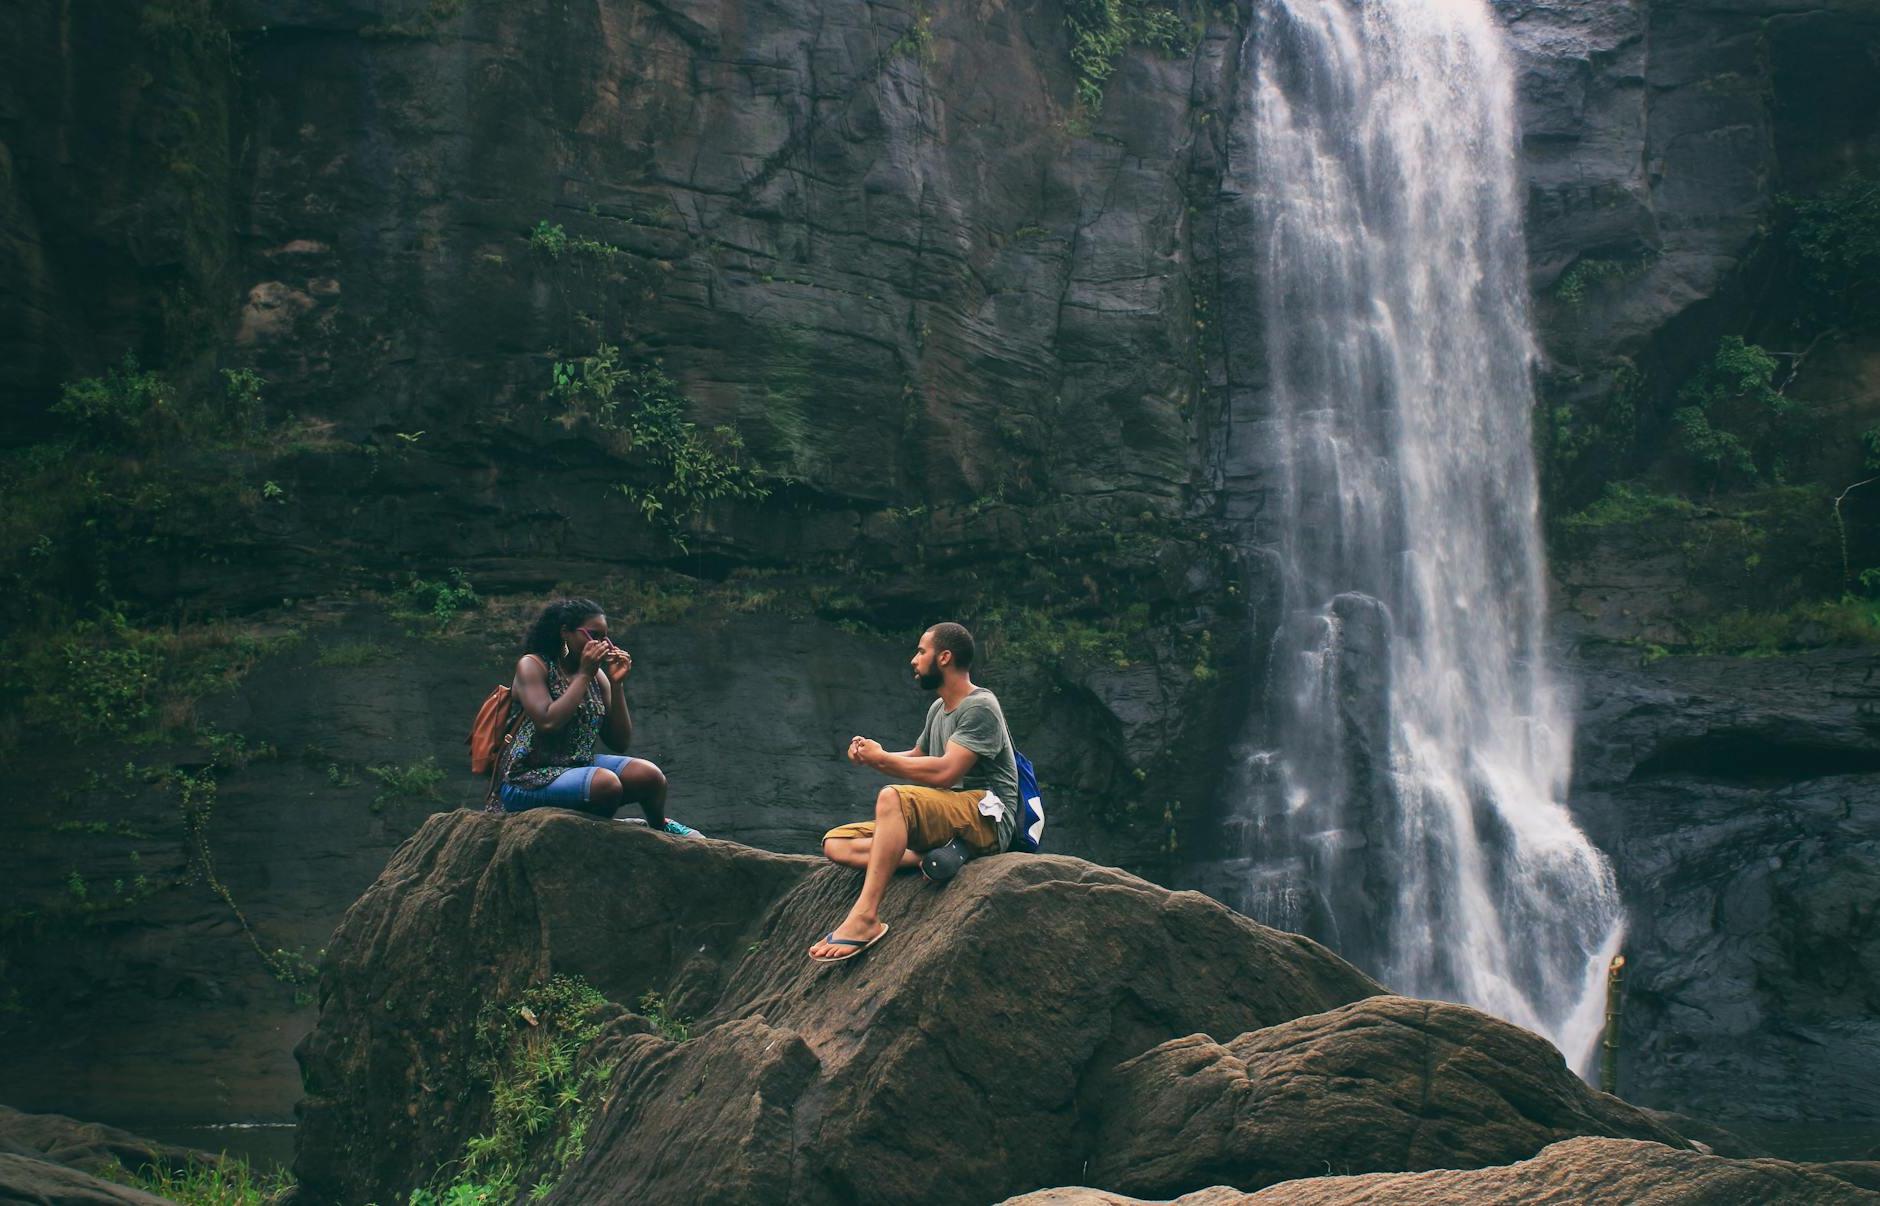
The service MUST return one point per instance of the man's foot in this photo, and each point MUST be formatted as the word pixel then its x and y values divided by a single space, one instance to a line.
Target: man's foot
pixel 855 937
pixel 677 830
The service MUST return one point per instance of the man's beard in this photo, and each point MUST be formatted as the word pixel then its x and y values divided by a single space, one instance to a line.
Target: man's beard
pixel 930 681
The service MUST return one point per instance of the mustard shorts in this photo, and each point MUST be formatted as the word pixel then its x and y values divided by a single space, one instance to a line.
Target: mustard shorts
pixel 934 816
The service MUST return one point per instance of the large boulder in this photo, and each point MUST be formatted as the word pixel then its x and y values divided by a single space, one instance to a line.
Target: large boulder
pixel 52 1160
pixel 1384 1084
pixel 1572 1171
pixel 26 1180
pixel 88 1146
pixel 960 1060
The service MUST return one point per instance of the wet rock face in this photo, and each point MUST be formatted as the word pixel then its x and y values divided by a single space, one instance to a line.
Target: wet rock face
pixel 1741 802
pixel 994 1004
pixel 1657 136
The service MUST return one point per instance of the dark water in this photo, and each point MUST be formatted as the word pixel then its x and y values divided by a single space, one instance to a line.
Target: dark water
pixel 266 1146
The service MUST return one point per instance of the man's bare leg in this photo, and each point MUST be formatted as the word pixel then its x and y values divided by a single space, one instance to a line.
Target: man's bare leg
pixel 853 852
pixel 884 856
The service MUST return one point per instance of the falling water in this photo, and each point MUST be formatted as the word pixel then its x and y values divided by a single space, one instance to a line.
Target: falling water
pixel 1407 804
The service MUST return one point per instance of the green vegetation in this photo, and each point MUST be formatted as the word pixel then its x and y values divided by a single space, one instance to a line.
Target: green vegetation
pixel 1049 636
pixel 1101 29
pixel 227 1181
pixel 670 1025
pixel 1836 237
pixel 352 654
pixel 682 468
pixel 438 602
pixel 545 1084
pixel 419 780
pixel 1736 427
pixel 1746 633
pixel 1570 289
pixel 917 41
pixel 197 790
pixel 554 241
pixel 1592 438
pixel 1627 504
pixel 142 471
pixel 106 677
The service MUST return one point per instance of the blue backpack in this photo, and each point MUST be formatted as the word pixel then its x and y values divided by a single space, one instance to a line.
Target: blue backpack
pixel 1030 833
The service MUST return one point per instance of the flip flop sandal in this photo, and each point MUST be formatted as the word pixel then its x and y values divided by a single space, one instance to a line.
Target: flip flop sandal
pixel 859 944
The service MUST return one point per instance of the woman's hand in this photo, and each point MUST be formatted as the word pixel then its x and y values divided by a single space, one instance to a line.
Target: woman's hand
pixel 592 654
pixel 619 663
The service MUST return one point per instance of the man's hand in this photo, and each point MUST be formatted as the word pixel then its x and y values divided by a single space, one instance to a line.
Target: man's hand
pixel 863 752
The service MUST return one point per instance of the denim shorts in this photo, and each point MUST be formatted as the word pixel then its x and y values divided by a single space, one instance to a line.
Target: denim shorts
pixel 569 790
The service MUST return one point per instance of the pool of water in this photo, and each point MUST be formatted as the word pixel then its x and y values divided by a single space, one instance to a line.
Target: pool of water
pixel 265 1145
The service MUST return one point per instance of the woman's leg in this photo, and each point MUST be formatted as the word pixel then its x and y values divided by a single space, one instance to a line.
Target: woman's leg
pixel 644 784
pixel 603 794
pixel 590 789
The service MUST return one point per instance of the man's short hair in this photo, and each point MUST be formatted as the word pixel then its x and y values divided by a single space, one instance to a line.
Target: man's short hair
pixel 954 637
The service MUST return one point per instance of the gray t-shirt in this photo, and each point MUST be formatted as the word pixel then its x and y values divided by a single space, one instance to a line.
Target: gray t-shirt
pixel 979 725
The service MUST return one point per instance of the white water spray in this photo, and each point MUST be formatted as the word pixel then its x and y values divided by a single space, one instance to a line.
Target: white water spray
pixel 1408 806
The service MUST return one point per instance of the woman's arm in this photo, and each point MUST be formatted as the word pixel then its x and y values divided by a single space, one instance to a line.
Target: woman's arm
pixel 617 731
pixel 531 689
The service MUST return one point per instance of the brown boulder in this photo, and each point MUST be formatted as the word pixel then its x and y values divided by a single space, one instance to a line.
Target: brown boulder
pixel 24 1180
pixel 1387 1084
pixel 1572 1171
pixel 88 1146
pixel 50 1160
pixel 959 1060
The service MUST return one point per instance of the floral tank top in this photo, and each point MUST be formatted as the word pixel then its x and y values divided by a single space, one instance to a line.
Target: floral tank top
pixel 537 759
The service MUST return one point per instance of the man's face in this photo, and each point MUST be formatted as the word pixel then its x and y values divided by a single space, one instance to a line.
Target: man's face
pixel 926 664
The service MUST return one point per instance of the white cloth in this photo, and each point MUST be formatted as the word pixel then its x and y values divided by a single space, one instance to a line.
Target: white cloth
pixel 990 805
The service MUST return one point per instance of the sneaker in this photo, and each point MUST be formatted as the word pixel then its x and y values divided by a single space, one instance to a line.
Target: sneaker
pixel 677 830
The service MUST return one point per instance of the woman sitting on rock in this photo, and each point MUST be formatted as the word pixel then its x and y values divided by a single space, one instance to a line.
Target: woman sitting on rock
pixel 571 685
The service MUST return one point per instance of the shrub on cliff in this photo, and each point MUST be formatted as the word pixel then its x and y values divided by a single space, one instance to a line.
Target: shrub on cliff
pixel 1737 427
pixel 1836 236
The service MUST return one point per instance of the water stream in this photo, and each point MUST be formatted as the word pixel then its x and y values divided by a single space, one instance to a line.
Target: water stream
pixel 1402 795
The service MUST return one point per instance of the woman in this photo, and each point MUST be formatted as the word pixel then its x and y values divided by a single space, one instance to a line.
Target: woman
pixel 571 685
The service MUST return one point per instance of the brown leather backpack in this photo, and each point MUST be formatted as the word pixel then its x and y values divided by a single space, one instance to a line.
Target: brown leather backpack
pixel 492 733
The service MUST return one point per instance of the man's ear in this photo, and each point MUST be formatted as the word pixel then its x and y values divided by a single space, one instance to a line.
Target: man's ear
pixel 943 658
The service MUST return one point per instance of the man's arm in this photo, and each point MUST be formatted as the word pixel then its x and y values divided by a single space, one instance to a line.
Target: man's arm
pixel 913 766
pixel 856 743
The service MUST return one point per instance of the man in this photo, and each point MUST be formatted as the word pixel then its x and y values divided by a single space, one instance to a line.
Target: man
pixel 960 782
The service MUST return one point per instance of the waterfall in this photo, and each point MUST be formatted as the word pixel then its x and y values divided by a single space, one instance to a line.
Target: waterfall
pixel 1403 796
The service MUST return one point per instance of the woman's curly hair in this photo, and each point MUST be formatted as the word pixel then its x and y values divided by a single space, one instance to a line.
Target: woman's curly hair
pixel 544 636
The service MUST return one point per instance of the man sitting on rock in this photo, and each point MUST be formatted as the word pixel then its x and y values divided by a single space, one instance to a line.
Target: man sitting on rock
pixel 961 789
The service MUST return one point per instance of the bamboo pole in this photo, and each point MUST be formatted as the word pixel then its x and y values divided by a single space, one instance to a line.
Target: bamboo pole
pixel 1609 1045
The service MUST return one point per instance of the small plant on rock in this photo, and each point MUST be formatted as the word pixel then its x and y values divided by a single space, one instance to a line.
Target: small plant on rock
pixel 545 1085
pixel 418 780
pixel 439 601
pixel 645 409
